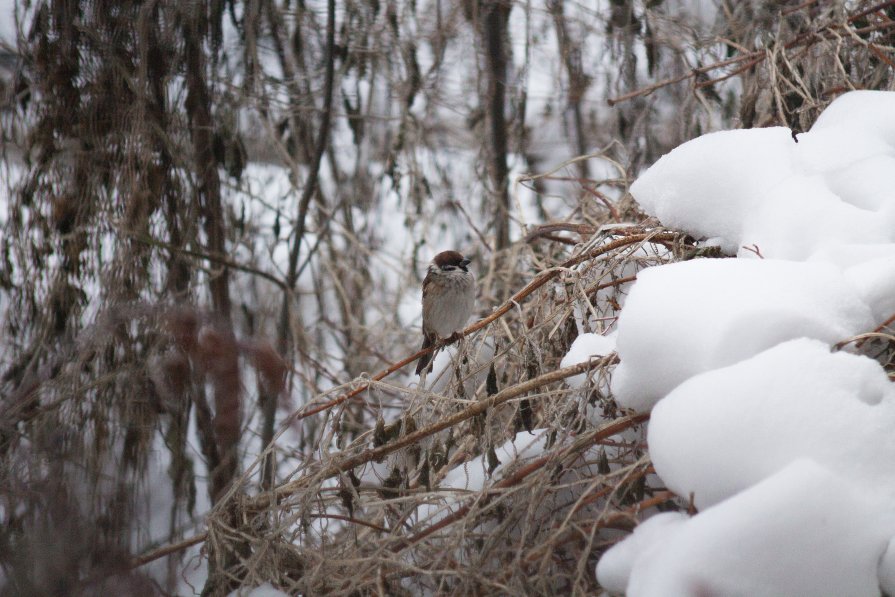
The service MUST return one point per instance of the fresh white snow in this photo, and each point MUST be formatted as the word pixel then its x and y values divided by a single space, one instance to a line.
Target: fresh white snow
pixel 723 431
pixel 614 569
pixel 802 531
pixel 792 199
pixel 685 318
pixel 585 347
pixel 785 444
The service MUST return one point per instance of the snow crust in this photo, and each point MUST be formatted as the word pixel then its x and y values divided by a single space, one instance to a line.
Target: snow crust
pixel 784 443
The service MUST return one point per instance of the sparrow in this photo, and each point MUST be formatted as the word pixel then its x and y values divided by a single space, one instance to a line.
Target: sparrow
pixel 448 298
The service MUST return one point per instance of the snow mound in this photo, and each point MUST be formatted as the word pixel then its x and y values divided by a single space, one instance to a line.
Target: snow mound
pixel 802 531
pixel 725 430
pixel 866 114
pixel 583 348
pixel 699 187
pixel 786 445
pixel 874 281
pixel 686 318
pixel 791 199
pixel 614 568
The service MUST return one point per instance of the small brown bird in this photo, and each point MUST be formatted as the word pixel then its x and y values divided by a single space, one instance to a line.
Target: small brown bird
pixel 448 299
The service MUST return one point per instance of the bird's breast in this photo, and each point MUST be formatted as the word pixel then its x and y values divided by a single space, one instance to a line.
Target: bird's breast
pixel 452 309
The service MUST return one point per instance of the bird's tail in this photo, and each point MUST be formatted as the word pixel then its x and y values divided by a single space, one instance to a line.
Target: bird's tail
pixel 426 359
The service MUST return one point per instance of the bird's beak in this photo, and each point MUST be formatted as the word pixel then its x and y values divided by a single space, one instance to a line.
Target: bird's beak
pixel 465 262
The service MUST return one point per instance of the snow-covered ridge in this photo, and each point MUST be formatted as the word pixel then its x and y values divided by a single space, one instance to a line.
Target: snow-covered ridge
pixel 785 445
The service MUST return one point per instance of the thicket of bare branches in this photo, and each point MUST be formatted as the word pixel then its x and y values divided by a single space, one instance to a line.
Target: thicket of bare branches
pixel 200 255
